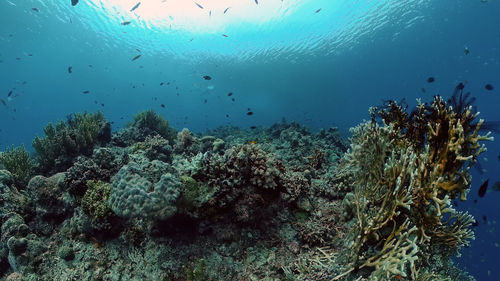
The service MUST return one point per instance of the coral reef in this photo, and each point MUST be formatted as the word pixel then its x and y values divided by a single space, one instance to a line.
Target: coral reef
pixel 145 190
pixel 406 171
pixel 17 161
pixel 146 123
pixel 278 203
pixel 65 141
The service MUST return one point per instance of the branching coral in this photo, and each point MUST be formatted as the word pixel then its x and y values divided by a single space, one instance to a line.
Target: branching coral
pixel 246 177
pixel 405 173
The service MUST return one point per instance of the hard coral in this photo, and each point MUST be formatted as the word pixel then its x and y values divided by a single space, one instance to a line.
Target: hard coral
pixel 139 193
pixel 146 123
pixel 405 173
pixel 83 170
pixel 154 147
pixel 245 177
pixel 49 202
pixel 95 201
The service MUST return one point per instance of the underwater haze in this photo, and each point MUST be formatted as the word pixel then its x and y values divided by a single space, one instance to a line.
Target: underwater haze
pixel 268 90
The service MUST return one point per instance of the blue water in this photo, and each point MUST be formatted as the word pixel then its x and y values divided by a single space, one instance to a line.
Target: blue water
pixel 280 58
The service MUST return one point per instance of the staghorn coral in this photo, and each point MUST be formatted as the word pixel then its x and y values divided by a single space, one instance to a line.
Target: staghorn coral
pixel 405 173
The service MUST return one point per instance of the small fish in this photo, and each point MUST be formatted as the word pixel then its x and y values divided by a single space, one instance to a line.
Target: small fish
pixel 482 189
pixel 496 186
pixel 30 55
pixel 466 51
pixel 226 9
pixel 423 90
pixel 86 92
pixel 206 77
pixel 257 2
pixel 161 84
pixel 253 127
pixel 475 223
pixel 126 23
pixel 35 9
pixel 136 57
pixel 102 104
pixel 253 142
pixel 74 2
pixel 227 115
pixel 230 94
pixel 210 13
pixel 205 101
pixel 70 69
pixel 201 7
pixel 138 50
pixel 249 113
pixel 162 105
pixel 225 35
pixel 460 86
pixel 135 7
pixel 9 94
pixel 489 87
pixel 485 220
pixel 318 10
pixel 232 99
pixel 3 102
pixel 430 79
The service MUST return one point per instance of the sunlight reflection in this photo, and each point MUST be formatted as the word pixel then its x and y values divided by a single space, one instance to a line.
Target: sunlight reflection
pixel 201 16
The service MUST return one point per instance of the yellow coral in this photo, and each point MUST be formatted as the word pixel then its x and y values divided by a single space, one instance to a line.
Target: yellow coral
pixel 405 173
